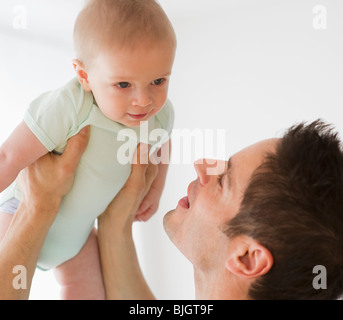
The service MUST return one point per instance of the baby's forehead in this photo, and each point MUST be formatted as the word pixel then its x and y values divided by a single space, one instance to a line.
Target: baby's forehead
pixel 132 52
pixel 122 24
pixel 146 64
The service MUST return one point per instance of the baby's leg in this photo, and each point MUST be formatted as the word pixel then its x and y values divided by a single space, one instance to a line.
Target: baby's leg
pixel 80 277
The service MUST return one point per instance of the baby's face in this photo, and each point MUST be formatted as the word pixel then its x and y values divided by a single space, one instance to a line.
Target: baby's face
pixel 130 86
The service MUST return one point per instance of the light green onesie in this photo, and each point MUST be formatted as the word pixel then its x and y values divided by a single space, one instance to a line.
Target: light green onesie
pixel 56 116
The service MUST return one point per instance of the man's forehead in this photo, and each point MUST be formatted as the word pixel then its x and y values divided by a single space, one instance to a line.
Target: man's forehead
pixel 258 149
pixel 244 162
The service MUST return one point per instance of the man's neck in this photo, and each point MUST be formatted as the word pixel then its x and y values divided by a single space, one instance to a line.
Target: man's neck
pixel 218 286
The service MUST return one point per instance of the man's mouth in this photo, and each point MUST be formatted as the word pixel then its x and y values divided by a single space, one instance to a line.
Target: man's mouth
pixel 184 202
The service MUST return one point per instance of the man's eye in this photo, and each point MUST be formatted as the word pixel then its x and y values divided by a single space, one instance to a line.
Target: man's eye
pixel 158 82
pixel 220 179
pixel 123 85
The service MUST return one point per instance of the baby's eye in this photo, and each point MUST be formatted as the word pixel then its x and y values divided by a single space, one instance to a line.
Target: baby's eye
pixel 158 82
pixel 123 85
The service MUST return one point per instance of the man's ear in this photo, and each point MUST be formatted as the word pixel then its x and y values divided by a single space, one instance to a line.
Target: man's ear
pixel 248 259
pixel 81 74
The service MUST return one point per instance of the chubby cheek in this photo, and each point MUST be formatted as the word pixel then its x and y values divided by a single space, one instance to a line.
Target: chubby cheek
pixel 159 101
pixel 112 114
pixel 110 106
pixel 110 110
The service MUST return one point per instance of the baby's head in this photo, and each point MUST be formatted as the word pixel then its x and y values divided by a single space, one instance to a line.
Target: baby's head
pixel 125 52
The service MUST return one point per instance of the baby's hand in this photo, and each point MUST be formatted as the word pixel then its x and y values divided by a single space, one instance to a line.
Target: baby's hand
pixel 149 204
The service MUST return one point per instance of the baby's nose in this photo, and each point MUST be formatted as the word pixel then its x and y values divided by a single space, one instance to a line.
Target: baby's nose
pixel 142 99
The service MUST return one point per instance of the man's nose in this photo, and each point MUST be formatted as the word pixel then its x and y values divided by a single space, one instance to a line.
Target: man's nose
pixel 206 168
pixel 201 170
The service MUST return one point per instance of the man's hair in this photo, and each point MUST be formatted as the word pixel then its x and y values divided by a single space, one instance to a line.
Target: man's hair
pixel 108 24
pixel 293 206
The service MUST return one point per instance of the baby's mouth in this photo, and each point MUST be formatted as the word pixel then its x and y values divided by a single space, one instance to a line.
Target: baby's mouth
pixel 137 116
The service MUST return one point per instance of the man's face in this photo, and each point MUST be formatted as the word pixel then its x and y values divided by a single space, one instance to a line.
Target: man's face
pixel 196 225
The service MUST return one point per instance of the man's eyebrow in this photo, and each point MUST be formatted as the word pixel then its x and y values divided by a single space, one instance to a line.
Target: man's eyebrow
pixel 229 170
pixel 229 164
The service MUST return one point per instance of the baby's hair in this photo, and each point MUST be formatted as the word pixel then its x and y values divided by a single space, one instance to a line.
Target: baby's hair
pixel 111 24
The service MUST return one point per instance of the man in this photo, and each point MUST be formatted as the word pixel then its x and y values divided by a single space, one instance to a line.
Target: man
pixel 255 231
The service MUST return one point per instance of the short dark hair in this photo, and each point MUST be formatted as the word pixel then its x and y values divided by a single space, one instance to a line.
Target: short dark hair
pixel 293 206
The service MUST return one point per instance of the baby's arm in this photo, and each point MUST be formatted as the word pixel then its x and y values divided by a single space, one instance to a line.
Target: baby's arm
pixel 20 149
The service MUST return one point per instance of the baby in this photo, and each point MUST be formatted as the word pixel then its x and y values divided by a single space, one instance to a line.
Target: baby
pixel 125 52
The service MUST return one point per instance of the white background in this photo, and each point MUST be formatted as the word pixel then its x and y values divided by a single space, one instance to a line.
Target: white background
pixel 250 67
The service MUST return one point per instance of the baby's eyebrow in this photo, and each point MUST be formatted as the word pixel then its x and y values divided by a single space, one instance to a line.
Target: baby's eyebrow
pixel 167 74
pixel 121 78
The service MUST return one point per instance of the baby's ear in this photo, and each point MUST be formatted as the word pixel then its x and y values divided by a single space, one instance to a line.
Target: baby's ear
pixel 81 74
pixel 248 258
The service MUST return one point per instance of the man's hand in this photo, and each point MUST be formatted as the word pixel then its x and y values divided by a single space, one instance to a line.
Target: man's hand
pixel 46 181
pixel 149 204
pixel 142 174
pixel 43 185
pixel 122 275
pixel 122 210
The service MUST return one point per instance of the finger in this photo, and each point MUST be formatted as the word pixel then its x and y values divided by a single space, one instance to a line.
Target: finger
pixel 139 214
pixel 141 155
pixel 76 146
pixel 140 162
pixel 142 208
pixel 151 174
pixel 145 215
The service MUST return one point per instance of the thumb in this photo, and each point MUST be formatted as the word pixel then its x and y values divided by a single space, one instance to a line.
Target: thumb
pixel 75 148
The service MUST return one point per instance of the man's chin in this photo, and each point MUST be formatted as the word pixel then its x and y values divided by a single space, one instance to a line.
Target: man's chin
pixel 170 223
pixel 166 218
